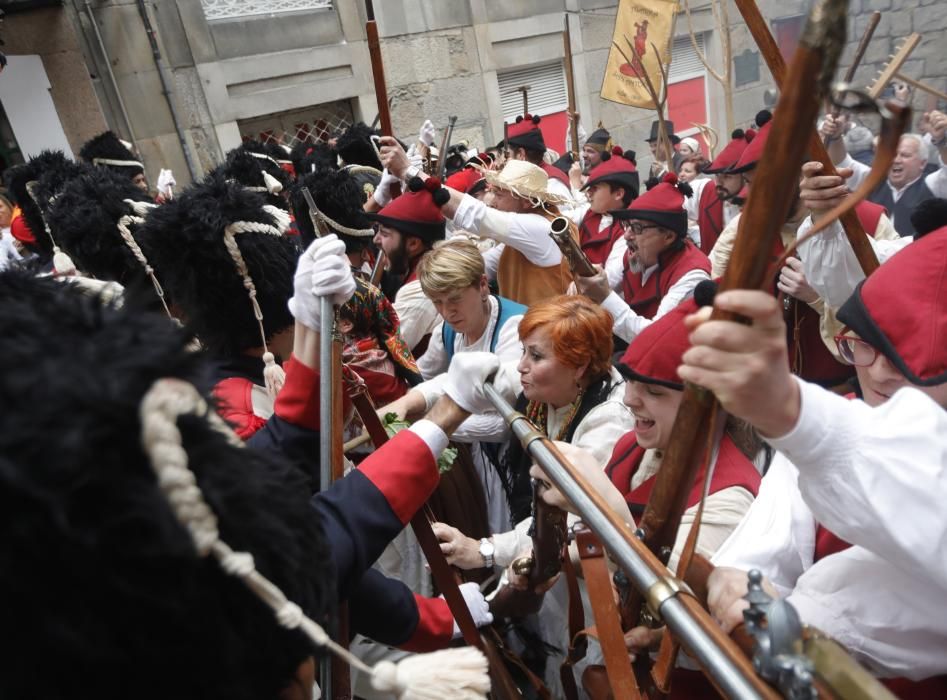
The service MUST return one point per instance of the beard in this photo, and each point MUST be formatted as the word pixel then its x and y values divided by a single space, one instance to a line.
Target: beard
pixel 398 260
pixel 634 263
pixel 723 194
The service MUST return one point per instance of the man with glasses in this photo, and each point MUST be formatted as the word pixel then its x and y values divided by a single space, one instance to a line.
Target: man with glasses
pixel 661 267
pixel 851 529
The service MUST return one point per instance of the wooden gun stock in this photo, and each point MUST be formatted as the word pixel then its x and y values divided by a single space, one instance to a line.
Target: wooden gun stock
pixel 548 533
pixel 578 261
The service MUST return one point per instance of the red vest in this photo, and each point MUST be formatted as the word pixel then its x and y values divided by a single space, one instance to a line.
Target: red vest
pixel 644 299
pixel 732 469
pixel 595 243
pixel 709 217
pixel 809 358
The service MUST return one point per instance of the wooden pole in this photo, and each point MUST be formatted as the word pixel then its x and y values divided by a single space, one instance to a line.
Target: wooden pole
pixel 570 84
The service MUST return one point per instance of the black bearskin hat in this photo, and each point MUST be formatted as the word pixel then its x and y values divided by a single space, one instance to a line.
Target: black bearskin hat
pixel 355 147
pixel 108 147
pixel 184 241
pixel 338 196
pixel 309 157
pixel 253 167
pixel 50 170
pixel 84 221
pixel 105 579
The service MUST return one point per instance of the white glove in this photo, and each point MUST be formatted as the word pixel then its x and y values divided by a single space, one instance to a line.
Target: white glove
pixel 382 193
pixel 166 183
pixel 477 604
pixel 467 374
pixel 323 271
pixel 427 133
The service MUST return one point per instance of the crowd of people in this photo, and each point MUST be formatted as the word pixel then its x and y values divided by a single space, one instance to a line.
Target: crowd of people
pixel 162 399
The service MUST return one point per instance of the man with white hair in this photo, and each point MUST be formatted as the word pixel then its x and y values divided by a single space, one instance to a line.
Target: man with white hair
pixel 906 186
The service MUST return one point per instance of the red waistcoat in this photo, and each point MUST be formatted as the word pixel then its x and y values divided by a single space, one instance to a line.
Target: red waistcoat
pixel 595 243
pixel 644 299
pixel 709 217
pixel 732 469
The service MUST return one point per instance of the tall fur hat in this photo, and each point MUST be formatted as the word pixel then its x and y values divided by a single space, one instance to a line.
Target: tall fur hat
pixel 49 172
pixel 184 240
pixel 254 168
pixel 84 220
pixel 106 580
pixel 309 157
pixel 109 151
pixel 355 148
pixel 339 199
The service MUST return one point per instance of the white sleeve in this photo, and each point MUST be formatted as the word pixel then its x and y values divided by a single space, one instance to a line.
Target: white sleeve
pixel 679 291
pixel 829 262
pixel 431 433
pixel 937 181
pixel 527 233
pixel 627 324
pixel 581 207
pixel 491 260
pixel 777 534
pixel 509 348
pixel 720 253
pixel 615 262
pixel 434 360
pixel 485 427
pixel 876 477
pixel 557 187
pixel 416 313
pixel 692 203
pixel 509 545
pixel 860 171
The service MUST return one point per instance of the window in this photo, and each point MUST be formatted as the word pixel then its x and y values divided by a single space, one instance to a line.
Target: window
pixel 315 124
pixel 229 9
pixel 546 97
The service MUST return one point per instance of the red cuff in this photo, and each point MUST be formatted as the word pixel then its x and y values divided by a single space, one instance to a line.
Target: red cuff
pixel 235 405
pixel 405 471
pixel 298 400
pixel 435 626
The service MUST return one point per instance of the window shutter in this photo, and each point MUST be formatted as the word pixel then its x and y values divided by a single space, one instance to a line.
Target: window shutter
pixel 547 90
pixel 684 61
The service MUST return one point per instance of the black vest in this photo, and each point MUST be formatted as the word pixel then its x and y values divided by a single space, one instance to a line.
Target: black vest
pixel 900 212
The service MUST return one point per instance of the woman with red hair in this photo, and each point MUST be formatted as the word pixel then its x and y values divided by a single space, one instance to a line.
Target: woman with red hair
pixel 567 387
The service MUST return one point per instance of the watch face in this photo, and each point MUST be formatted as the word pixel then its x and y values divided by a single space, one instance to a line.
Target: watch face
pixel 487 549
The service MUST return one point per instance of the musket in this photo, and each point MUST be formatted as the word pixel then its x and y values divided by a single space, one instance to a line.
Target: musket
pixel 378 269
pixel 378 78
pixel 854 231
pixel 579 263
pixel 445 144
pixel 770 201
pixel 570 84
pixel 718 655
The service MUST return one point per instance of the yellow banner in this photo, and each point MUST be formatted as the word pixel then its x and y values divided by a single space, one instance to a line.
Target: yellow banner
pixel 642 27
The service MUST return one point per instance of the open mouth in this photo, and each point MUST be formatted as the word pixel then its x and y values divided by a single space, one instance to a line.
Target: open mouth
pixel 643 424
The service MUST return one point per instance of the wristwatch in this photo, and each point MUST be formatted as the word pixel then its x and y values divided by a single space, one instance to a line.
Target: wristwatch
pixel 487 550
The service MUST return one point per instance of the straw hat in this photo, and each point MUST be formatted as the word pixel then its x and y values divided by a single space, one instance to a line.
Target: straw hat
pixel 524 180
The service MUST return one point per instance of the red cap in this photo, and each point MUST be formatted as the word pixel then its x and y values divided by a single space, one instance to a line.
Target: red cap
pixel 901 310
pixel 525 133
pixel 655 354
pixel 463 179
pixel 753 152
pixel 663 204
pixel 20 231
pixel 614 168
pixel 417 212
pixel 731 153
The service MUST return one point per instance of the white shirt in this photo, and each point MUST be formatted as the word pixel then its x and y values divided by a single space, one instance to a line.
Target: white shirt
pixel 936 181
pixel 559 188
pixel 829 262
pixel 416 313
pixel 628 324
pixel 876 477
pixel 528 233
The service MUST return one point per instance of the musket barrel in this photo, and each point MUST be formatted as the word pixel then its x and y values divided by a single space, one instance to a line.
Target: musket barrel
pixel 632 556
pixel 325 393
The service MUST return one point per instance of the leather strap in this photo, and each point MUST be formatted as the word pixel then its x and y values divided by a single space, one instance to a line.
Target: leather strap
pixel 607 622
pixel 577 641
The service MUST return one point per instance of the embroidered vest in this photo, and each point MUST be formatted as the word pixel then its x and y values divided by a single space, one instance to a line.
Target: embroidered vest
pixel 645 298
pixel 597 244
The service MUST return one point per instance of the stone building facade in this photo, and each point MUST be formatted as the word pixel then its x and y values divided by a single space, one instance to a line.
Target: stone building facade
pixel 223 70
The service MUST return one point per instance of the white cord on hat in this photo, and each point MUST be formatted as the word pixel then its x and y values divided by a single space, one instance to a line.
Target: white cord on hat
pixel 62 263
pixel 136 250
pixel 273 186
pixel 459 674
pixel 273 375
pixel 124 163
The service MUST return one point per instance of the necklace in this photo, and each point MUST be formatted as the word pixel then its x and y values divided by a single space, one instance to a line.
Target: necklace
pixel 537 412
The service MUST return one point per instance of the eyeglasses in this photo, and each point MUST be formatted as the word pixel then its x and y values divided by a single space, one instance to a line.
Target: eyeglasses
pixel 855 351
pixel 636 228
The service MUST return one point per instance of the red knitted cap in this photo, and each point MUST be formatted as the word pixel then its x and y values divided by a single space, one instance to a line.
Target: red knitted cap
pixel 417 212
pixel 614 168
pixel 655 354
pixel 729 156
pixel 753 152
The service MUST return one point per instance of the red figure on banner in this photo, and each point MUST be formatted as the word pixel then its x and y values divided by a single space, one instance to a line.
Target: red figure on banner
pixel 636 69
